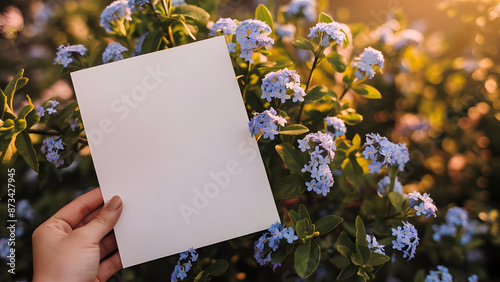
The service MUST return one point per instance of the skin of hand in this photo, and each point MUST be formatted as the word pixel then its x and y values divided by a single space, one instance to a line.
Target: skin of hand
pixel 70 245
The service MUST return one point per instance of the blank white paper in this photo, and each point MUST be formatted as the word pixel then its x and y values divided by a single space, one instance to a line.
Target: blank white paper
pixel 168 133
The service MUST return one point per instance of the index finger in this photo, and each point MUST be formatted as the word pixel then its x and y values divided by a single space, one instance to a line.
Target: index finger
pixel 79 208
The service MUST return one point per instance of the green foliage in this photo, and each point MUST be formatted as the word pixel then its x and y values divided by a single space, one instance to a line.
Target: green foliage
pixel 290 157
pixel 361 259
pixel 15 137
pixel 304 44
pixel 263 14
pixel 337 61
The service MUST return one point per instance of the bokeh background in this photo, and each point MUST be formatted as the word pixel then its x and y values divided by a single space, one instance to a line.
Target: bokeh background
pixel 440 96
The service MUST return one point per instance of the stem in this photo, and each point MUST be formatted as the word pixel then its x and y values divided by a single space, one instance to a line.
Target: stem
pixel 343 93
pixel 309 80
pixel 53 133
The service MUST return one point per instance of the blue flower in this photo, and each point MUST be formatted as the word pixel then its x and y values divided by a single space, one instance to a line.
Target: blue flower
pixel 367 63
pixel 283 85
pixel 50 147
pixel 473 278
pixel 306 8
pixel 274 238
pixel 117 10
pixel 457 225
pixel 382 152
pixel 228 28
pixel 252 35
pixel 48 106
pixel 441 275
pixel 113 52
pixel 335 126
pixel 406 240
pixel 64 53
pixel 266 123
pixel 134 5
pixel 138 45
pixel 423 204
pixel 318 166
pixel 328 32
pixel 385 182
pixel 181 269
pixel 373 245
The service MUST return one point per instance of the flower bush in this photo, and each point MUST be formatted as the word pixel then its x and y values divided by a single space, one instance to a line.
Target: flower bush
pixel 357 201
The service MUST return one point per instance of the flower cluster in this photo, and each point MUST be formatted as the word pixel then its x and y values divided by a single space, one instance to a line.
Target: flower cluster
pixel 367 63
pixel 252 35
pixel 335 126
pixel 305 7
pixel 228 28
pixel 117 10
pixel 319 165
pixel 423 204
pixel 134 5
pixel 48 107
pixel 406 240
pixel 384 184
pixel 373 245
pixel 441 275
pixel 457 224
pixel 181 269
pixel 383 152
pixel 50 147
pixel 113 52
pixel 283 84
pixel 275 235
pixel 265 123
pixel 473 278
pixel 328 32
pixel 63 55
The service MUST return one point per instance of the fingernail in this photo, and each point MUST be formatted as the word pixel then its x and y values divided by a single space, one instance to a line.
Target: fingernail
pixel 114 203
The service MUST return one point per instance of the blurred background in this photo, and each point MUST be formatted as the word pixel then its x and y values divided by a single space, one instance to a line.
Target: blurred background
pixel 440 97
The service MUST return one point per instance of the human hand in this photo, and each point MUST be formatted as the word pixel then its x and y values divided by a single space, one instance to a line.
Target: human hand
pixel 70 245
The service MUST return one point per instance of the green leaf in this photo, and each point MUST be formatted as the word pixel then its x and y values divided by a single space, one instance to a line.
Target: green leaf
pixel 294 129
pixel 10 89
pixel 367 91
pixel 352 118
pixel 398 201
pixel 345 251
pixel 21 83
pixel 337 61
pixel 294 216
pixel 191 11
pixel 201 277
pixel 356 259
pixel 316 93
pixel 307 258
pixel 3 103
pixel 344 240
pixel 303 228
pixel 67 111
pixel 360 232
pixel 26 150
pixel 152 42
pixel 217 268
pixel 327 223
pixel 378 259
pixel 352 171
pixel 363 252
pixel 347 272
pixel 290 157
pixel 304 44
pixel 263 14
pixel 289 187
pixel 348 80
pixel 324 18
pixel 304 213
pixel 356 141
pixel 279 255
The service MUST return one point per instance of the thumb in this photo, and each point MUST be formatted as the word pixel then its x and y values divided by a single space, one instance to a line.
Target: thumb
pixel 104 222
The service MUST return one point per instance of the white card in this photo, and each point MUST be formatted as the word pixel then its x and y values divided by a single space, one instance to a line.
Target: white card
pixel 168 133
